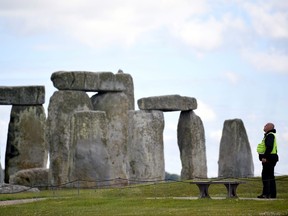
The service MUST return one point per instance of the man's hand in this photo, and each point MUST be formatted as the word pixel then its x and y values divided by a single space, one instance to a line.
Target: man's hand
pixel 264 160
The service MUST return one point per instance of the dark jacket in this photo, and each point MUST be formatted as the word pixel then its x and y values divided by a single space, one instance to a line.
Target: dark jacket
pixel 269 143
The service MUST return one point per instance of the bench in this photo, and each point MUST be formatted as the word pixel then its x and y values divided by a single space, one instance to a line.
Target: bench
pixel 231 187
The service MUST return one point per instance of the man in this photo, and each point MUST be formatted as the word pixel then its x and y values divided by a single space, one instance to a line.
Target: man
pixel 269 158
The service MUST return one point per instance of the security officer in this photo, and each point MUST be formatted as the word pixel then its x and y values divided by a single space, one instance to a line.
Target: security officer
pixel 269 158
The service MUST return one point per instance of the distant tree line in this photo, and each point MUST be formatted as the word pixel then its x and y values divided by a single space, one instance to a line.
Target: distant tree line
pixel 173 177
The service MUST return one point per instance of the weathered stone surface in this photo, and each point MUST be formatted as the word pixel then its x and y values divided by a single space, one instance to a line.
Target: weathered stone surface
pixel 88 81
pixel 9 188
pixel 90 161
pixel 22 95
pixel 62 106
pixel 116 107
pixel 35 177
pixel 1 175
pixel 26 145
pixel 167 103
pixel 145 145
pixel 235 157
pixel 191 142
pixel 129 88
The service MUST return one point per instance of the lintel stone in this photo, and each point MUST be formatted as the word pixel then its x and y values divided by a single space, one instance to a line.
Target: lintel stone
pixel 22 95
pixel 89 81
pixel 168 103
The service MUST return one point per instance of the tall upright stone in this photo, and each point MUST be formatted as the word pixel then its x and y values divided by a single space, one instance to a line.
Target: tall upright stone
pixel 61 108
pixel 145 145
pixel 1 174
pixel 235 157
pixel 90 161
pixel 191 142
pixel 116 105
pixel 26 145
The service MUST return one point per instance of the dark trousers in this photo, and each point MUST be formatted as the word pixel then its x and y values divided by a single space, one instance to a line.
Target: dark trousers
pixel 268 179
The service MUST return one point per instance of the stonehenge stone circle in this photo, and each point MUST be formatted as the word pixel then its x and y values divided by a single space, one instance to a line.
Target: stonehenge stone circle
pixel 145 145
pixel 191 142
pixel 92 140
pixel 235 157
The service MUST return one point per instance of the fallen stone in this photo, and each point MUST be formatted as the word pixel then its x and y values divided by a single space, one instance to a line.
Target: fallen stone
pixel 167 103
pixel 9 188
pixel 26 144
pixel 22 95
pixel 191 142
pixel 35 177
pixel 145 145
pixel 235 157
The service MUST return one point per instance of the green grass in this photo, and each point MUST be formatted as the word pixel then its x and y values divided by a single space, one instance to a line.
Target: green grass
pixel 151 199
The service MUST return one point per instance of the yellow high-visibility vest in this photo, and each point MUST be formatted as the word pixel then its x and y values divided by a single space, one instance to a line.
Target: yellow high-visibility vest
pixel 261 148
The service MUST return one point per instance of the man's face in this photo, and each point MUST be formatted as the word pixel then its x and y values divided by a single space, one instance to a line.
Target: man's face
pixel 268 127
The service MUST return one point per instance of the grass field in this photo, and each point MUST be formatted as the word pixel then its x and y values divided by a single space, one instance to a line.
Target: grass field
pixel 166 198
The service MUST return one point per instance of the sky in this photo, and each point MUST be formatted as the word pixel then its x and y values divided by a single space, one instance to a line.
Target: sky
pixel 232 56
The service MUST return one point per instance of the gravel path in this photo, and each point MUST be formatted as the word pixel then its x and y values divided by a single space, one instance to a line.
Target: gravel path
pixel 14 202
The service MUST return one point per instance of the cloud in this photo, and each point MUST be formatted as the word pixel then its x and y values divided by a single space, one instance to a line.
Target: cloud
pixel 205 112
pixel 232 77
pixel 101 23
pixel 267 61
pixel 97 23
pixel 269 19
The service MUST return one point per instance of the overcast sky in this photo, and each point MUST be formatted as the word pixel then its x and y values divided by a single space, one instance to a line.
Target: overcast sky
pixel 232 56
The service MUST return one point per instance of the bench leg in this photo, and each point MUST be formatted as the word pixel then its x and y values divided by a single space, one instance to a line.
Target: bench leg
pixel 203 188
pixel 231 190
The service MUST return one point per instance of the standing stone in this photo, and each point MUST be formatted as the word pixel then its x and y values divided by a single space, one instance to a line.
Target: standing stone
pixel 62 106
pixel 235 157
pixel 145 150
pixel 116 107
pixel 1 174
pixel 26 145
pixel 191 142
pixel 90 161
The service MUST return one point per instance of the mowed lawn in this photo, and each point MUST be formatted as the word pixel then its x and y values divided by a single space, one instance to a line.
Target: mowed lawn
pixel 159 198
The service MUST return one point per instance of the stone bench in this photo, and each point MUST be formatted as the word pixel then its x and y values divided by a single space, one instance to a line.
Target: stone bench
pixel 231 187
